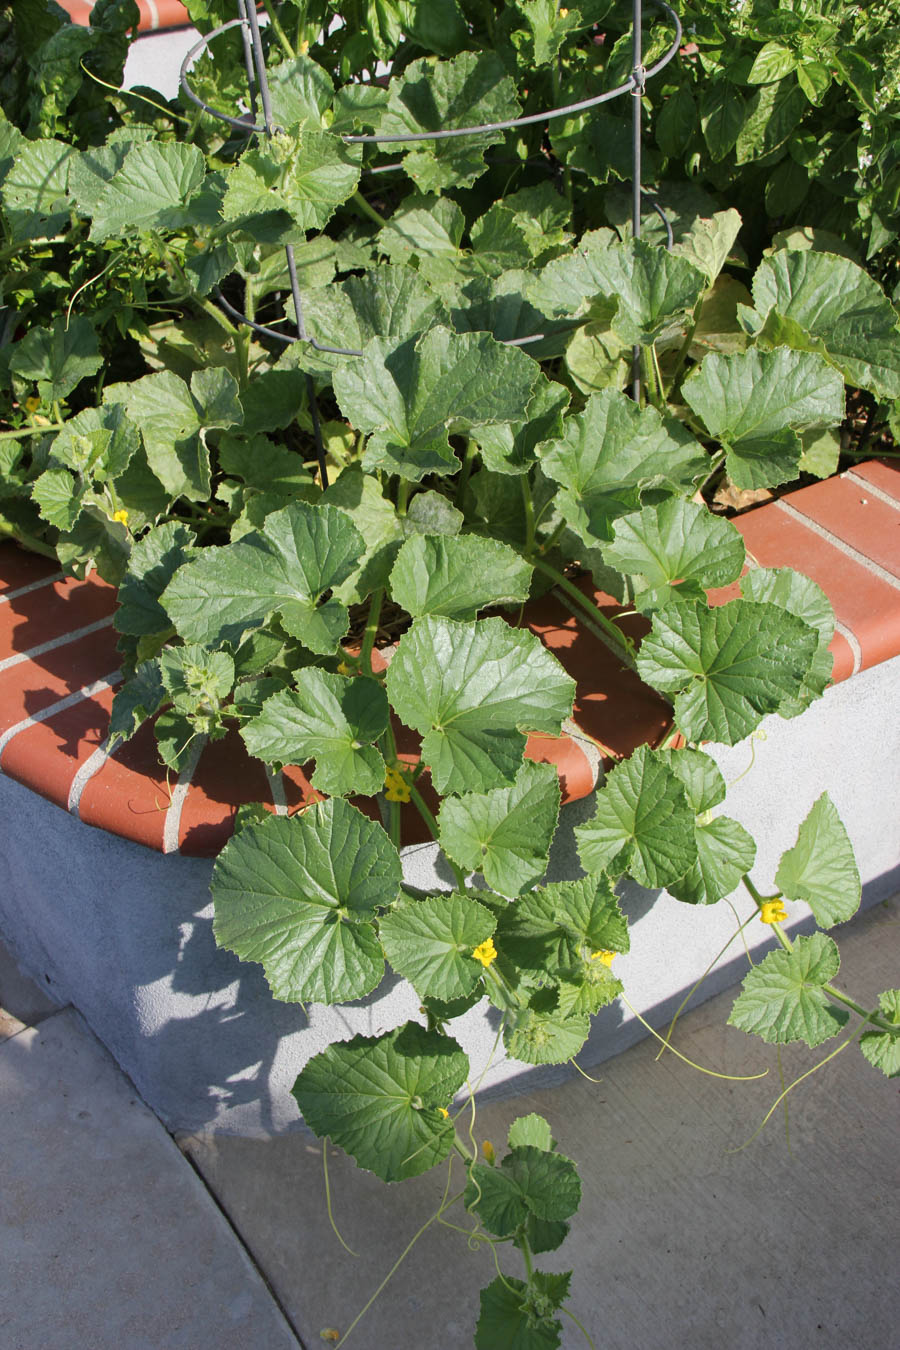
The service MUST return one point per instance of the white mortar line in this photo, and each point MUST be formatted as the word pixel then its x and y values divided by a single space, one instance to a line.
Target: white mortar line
pixel 154 15
pixel 87 691
pixel 872 489
pixel 32 586
pixel 276 787
pixel 847 549
pixel 179 793
pixel 852 642
pixel 93 764
pixel 62 641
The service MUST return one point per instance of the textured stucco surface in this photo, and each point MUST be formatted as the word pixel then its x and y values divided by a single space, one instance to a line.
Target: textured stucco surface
pixel 125 934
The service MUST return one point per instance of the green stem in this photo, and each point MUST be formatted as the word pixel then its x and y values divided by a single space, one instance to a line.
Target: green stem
pixel 681 358
pixel 528 502
pixel 652 378
pixel 419 803
pixel 29 541
pixel 555 68
pixel 19 433
pixel 526 1255
pixel 462 1150
pixel 466 471
pixel 610 631
pixel 368 210
pixel 27 244
pixel 402 496
pixel 365 655
pixel 279 31
pixel 392 807
pixel 554 537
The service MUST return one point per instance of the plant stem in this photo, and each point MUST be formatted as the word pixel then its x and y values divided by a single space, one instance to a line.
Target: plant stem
pixel 402 496
pixel 419 803
pixel 279 31
pixel 368 210
pixel 528 501
pixel 526 1255
pixel 392 807
pixel 557 533
pixel 369 635
pixel 621 642
pixel 681 358
pixel 465 472
pixel 19 433
pixel 651 377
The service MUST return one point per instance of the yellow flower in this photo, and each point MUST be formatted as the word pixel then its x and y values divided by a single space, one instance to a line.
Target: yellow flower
pixel 604 956
pixel 772 911
pixel 563 13
pixel 396 786
pixel 486 952
pixel 444 1112
pixel 487 1149
pixel 121 516
pixel 344 669
pixel 304 47
pixel 32 404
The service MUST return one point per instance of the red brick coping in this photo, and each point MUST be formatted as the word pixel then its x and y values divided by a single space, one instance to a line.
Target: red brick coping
pixel 155 14
pixel 59 668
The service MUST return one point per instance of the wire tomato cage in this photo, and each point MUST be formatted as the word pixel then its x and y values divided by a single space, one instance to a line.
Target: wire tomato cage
pixel 259 94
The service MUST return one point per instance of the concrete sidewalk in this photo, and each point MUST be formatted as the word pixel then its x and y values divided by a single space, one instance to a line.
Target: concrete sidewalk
pixel 109 1240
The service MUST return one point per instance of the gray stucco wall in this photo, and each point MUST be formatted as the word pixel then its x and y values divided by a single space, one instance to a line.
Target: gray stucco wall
pixel 126 934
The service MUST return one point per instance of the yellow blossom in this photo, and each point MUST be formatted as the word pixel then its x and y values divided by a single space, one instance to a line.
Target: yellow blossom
pixel 563 13
pixel 344 668
pixel 304 47
pixel 604 956
pixel 396 786
pixel 121 516
pixel 485 952
pixel 32 404
pixel 444 1112
pixel 487 1149
pixel 772 911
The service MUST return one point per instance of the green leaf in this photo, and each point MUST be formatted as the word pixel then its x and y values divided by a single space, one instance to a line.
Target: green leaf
pixel 881 1048
pixel 725 853
pixel 535 1036
pixel 59 497
pixel 773 61
pixel 388 302
pixel 285 568
pixel 458 576
pixel 530 1180
pixel 769 118
pixel 298 894
pixel 831 305
pixel 821 868
pixel 709 241
pixel 432 513
pixel 34 189
pixel 359 496
pixel 511 447
pixel 782 998
pixel 135 701
pixel 301 91
pixel 755 402
pixel 509 1319
pixel 150 190
pixel 472 690
pixel 727 666
pixel 722 115
pixel 411 395
pixel 505 834
pixel 171 417
pixel 304 172
pixel 676 542
pixel 379 1098
pixel 556 928
pixel 655 289
pixel 643 824
pixel 612 452
pixel 469 90
pixel 699 775
pixel 799 595
pixel 154 561
pixel 430 943
pixel 531 1129
pixel 196 680
pixel 331 719
pixel 58 357
pixel 97 442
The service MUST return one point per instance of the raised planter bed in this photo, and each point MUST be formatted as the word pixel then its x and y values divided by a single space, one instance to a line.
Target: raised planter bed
pixel 117 919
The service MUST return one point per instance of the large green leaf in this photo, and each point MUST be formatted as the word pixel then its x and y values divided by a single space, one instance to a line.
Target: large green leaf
pixel 831 305
pixel 305 172
pixel 782 998
pixel 285 568
pixel 518 1316
pixel 430 942
pixel 58 357
pixel 472 690
pixel 331 719
pixel 643 824
pixel 380 1098
pixel 505 834
pixel 510 447
pixel 410 395
pixel 755 403
pixel 458 575
pixel 98 442
pixel 154 561
pixel 882 1048
pixel 298 895
pixel 388 302
pixel 674 543
pixel 545 1036
pixel 359 496
pixel 609 454
pixel 471 89
pixel 529 1180
pixel 34 189
pixel 551 931
pixel 727 667
pixel 821 868
pixel 725 853
pixel 800 596
pixel 150 190
pixel 654 289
